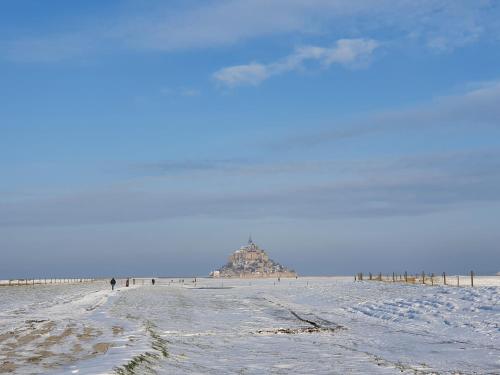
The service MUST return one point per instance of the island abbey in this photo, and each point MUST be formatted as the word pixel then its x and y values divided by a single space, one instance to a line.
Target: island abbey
pixel 250 261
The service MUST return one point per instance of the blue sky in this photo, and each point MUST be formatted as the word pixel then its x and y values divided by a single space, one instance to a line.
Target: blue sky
pixel 345 135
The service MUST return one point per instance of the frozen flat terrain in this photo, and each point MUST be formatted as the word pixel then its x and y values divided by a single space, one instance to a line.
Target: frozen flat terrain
pixel 303 326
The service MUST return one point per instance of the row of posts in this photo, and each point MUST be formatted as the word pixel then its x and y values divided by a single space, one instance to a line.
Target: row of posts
pixel 410 279
pixel 20 282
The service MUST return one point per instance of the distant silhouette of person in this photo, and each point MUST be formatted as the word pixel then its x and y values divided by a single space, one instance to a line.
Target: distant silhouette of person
pixel 127 283
pixel 153 281
pixel 133 281
pixel 113 282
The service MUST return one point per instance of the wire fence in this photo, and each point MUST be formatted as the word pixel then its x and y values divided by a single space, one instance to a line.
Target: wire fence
pixel 44 281
pixel 419 278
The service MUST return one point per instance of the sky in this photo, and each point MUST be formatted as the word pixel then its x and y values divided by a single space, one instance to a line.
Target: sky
pixel 151 138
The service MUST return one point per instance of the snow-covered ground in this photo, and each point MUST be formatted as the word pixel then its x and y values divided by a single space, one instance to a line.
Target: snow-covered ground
pixel 303 326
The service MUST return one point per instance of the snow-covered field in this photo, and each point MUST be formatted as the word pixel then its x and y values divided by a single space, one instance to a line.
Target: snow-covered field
pixel 303 326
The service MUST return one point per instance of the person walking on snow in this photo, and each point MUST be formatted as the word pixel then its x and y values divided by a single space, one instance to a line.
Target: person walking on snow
pixel 113 282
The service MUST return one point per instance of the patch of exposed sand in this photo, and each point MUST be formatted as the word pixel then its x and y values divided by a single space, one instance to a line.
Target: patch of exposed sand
pixel 89 333
pixel 57 339
pixel 117 330
pixel 26 339
pixel 7 367
pixel 33 333
pixel 77 348
pixel 46 328
pixel 35 359
pixel 6 336
pixel 30 345
pixel 101 347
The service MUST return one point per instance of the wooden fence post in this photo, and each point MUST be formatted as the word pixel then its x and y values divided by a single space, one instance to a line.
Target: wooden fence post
pixel 432 279
pixel 423 277
pixel 444 278
pixel 472 278
pixel 458 280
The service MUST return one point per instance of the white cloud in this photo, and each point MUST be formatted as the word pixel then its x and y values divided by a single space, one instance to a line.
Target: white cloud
pixel 440 25
pixel 49 49
pixel 346 52
pixel 181 91
pixel 350 51
pixel 251 74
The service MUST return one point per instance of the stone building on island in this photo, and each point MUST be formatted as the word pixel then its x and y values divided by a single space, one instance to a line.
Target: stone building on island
pixel 250 261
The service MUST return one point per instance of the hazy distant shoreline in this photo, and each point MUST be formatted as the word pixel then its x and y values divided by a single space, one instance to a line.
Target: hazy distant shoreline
pixel 482 280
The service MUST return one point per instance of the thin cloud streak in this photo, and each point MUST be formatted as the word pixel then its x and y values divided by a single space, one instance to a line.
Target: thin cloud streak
pixel 346 52
pixel 182 91
pixel 477 108
pixel 400 187
pixel 184 166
